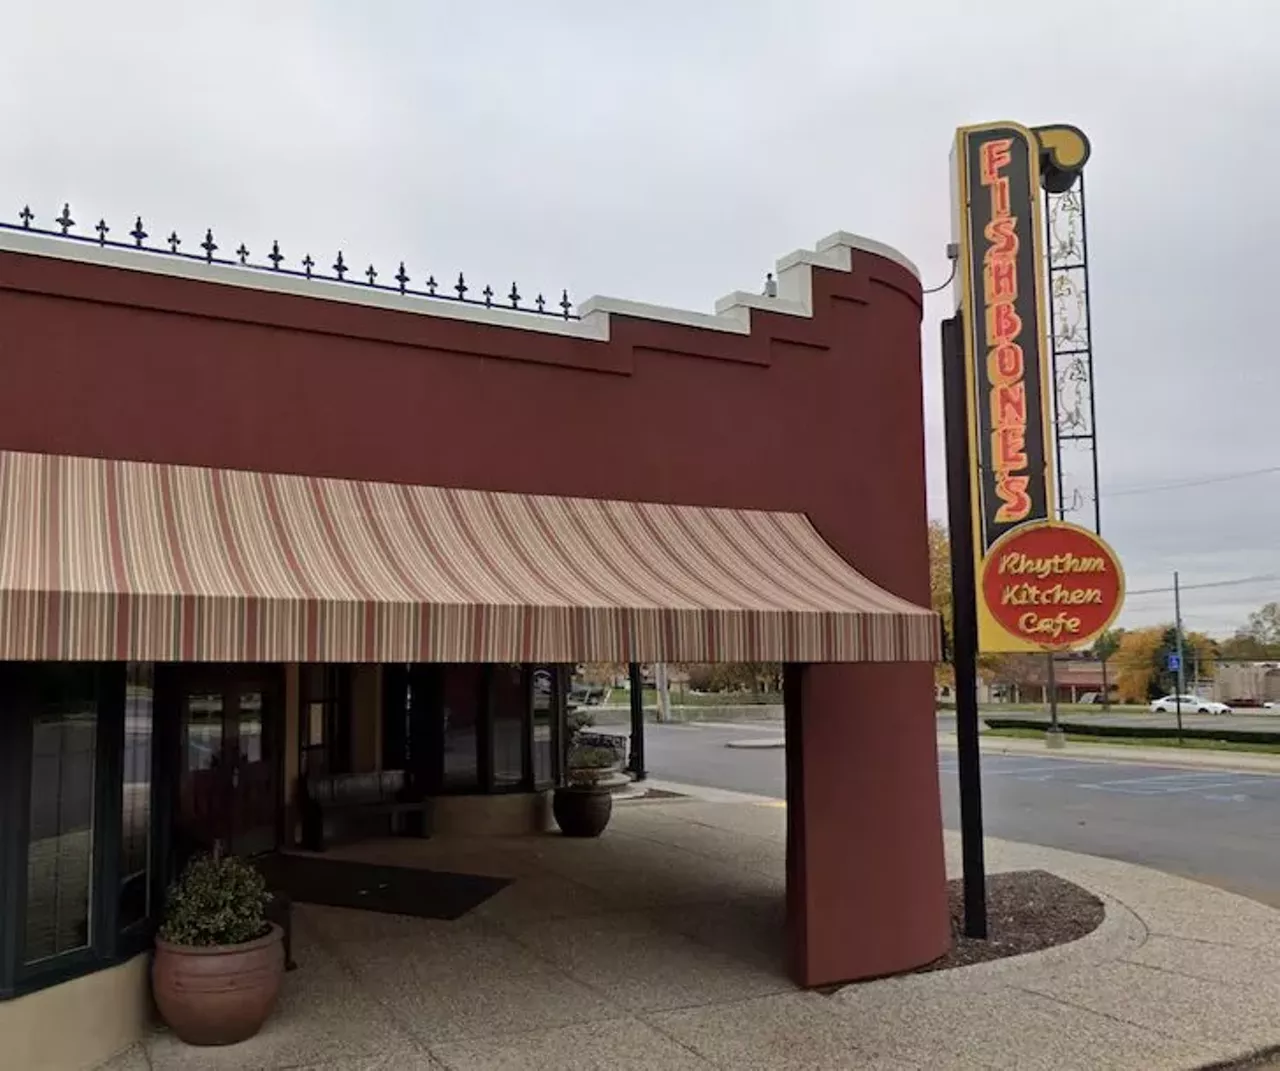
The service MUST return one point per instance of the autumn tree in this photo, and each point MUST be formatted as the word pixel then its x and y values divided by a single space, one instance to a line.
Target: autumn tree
pixel 1143 661
pixel 1135 659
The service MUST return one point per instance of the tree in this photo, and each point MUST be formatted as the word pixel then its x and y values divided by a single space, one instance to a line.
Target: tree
pixel 1143 661
pixel 940 603
pixel 1135 658
pixel 1199 659
pixel 1014 669
pixel 1264 626
pixel 1104 649
pixel 940 593
pixel 1245 648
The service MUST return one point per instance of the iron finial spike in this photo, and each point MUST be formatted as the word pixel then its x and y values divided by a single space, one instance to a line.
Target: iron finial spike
pixel 102 230
pixel 371 273
pixel 209 245
pixel 275 256
pixel 461 288
pixel 402 277
pixel 514 296
pixel 431 285
pixel 340 266
pixel 541 302
pixel 488 295
pixel 308 263
pixel 65 221
pixel 565 303
pixel 26 215
pixel 243 253
pixel 139 232
pixel 174 241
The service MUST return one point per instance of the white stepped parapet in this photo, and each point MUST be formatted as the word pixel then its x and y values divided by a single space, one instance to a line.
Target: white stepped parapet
pixel 732 313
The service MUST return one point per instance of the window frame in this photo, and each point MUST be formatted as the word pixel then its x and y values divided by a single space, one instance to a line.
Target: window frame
pixel 108 944
pixel 336 699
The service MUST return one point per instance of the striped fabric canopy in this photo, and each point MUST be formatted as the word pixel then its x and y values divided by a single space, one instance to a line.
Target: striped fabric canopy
pixel 116 560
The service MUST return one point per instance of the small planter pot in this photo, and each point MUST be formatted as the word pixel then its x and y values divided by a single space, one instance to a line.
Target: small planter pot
pixel 582 810
pixel 218 995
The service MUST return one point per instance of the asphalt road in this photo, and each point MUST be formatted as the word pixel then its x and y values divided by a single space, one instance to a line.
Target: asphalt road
pixel 1214 826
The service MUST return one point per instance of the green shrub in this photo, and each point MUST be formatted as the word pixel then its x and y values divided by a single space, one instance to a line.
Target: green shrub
pixel 591 757
pixel 578 719
pixel 217 901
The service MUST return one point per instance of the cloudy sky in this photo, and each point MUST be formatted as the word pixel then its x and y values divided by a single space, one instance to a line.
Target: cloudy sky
pixel 655 151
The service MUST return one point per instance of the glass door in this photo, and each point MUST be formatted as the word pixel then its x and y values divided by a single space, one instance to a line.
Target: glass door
pixel 228 786
pixel 254 800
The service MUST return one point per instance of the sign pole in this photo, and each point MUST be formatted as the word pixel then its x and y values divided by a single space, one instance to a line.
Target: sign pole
pixel 964 605
pixel 1177 628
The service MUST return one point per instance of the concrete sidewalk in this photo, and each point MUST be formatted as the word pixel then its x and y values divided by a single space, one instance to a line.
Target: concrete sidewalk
pixel 1204 758
pixel 660 947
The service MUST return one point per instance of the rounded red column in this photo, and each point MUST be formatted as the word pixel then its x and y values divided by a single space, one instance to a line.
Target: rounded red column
pixel 866 867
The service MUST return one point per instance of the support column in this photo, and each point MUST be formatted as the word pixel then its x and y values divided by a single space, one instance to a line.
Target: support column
pixel 866 873
pixel 636 767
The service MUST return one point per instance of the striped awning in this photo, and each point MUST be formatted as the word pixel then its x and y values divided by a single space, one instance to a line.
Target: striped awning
pixel 118 560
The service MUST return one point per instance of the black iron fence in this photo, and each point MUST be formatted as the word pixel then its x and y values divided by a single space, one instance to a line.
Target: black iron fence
pixel 276 263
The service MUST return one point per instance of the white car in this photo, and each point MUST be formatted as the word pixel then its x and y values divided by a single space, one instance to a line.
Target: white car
pixel 1191 704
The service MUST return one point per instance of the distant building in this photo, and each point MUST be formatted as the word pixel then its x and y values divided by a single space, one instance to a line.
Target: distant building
pixel 1247 682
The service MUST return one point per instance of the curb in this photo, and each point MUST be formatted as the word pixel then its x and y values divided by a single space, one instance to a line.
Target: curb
pixel 757 745
pixel 1133 756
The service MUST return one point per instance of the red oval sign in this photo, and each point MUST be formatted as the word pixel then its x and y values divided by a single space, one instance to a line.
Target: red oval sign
pixel 1052 584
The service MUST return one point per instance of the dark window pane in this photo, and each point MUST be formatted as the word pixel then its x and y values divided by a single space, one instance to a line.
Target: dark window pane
pixel 60 844
pixel 543 712
pixel 250 730
pixel 135 829
pixel 462 692
pixel 204 730
pixel 510 708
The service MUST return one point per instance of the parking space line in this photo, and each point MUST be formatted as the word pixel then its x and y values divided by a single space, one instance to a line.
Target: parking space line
pixel 1158 790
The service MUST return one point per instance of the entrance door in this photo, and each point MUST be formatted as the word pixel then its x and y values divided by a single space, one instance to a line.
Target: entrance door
pixel 228 754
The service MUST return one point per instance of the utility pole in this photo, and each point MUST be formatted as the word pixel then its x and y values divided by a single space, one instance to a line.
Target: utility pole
pixel 1177 628
pixel 663 689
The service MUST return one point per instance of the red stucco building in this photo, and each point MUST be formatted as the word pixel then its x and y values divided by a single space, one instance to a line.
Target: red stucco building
pixel 282 497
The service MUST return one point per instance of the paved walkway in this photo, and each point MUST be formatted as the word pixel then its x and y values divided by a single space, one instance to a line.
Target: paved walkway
pixel 660 947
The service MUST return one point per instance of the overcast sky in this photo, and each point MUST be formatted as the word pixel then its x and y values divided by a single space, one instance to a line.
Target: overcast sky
pixel 670 151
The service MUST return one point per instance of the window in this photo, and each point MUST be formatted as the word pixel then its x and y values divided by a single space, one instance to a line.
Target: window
pixel 135 804
pixel 80 865
pixel 509 705
pixel 324 729
pixel 463 688
pixel 61 813
pixel 545 705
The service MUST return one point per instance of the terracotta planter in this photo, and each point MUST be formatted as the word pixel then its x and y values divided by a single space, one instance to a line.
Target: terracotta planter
pixel 582 810
pixel 219 995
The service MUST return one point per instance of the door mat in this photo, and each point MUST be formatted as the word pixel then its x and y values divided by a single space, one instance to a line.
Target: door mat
pixel 392 890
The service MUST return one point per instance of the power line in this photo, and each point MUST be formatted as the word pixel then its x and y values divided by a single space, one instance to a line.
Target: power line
pixel 1202 481
pixel 1208 584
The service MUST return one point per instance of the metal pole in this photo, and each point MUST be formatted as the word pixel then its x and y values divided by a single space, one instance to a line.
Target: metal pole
pixel 1053 737
pixel 964 645
pixel 1177 628
pixel 636 767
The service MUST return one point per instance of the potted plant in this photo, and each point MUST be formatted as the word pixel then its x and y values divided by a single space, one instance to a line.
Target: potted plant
pixel 583 804
pixel 218 961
